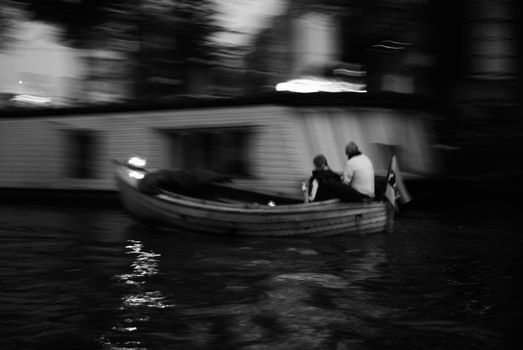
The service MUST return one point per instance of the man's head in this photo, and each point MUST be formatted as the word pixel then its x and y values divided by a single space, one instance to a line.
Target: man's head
pixel 352 149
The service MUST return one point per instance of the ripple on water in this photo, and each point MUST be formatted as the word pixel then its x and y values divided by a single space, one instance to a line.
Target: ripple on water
pixel 321 279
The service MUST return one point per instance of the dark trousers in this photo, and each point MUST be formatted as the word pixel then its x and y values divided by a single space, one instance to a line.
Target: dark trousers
pixel 345 193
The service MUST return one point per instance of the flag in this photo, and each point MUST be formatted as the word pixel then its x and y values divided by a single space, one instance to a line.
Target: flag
pixel 396 189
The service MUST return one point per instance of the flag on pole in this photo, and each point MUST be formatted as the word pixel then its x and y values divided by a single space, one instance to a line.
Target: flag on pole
pixel 396 189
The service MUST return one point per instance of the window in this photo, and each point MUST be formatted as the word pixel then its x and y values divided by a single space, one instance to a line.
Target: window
pixel 82 153
pixel 222 150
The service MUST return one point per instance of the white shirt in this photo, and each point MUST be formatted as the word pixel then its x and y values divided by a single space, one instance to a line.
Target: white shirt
pixel 359 174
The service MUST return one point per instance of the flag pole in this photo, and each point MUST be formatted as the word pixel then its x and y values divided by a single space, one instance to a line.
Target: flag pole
pixel 389 228
pixel 388 172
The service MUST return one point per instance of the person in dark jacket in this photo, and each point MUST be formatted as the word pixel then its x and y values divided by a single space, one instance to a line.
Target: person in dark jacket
pixel 322 184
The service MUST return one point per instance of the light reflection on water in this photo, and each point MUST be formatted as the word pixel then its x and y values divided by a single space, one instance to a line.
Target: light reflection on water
pixel 78 278
pixel 138 299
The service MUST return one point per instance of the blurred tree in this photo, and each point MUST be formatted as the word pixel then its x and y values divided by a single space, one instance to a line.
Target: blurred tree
pixel 175 43
pixel 373 20
pixel 9 15
pixel 159 38
pixel 387 36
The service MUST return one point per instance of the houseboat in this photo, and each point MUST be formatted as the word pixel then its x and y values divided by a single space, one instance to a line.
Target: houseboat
pixel 266 143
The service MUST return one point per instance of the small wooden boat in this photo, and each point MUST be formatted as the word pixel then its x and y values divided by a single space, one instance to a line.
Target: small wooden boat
pixel 238 211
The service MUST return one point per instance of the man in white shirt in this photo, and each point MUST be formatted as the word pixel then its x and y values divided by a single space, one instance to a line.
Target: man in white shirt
pixel 358 175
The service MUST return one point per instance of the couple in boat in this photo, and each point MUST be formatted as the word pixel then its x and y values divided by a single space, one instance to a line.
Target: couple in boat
pixel 356 184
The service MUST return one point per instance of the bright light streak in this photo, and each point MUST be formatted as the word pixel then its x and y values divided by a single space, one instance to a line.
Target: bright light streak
pixel 319 85
pixel 391 45
pixel 401 43
pixel 136 175
pixel 388 47
pixel 31 99
pixel 137 162
pixel 354 73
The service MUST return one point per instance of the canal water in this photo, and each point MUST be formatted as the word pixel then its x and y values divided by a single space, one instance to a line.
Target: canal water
pixel 92 278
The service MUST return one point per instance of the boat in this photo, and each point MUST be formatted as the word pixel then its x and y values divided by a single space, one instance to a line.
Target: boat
pixel 233 210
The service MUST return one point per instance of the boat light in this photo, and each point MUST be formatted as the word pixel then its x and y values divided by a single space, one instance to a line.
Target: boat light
pixel 137 162
pixel 136 174
pixel 271 204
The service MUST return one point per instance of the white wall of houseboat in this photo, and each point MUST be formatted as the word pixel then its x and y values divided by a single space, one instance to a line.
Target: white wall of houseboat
pixel 34 152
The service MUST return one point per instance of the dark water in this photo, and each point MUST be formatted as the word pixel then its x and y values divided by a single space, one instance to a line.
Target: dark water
pixel 90 278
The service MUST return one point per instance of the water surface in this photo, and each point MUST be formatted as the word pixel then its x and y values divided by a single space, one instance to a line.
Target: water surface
pixel 92 278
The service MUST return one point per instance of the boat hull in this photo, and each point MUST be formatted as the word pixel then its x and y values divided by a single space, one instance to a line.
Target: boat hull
pixel 313 219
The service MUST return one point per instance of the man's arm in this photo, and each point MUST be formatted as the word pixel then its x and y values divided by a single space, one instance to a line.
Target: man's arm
pixel 348 172
pixel 314 190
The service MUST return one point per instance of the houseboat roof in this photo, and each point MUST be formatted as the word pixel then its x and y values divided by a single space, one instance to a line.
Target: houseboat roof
pixel 344 99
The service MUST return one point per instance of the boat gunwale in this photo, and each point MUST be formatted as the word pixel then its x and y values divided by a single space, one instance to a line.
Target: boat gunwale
pixel 247 208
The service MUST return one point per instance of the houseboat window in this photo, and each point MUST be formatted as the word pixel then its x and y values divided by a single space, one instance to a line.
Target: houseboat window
pixel 223 150
pixel 82 150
